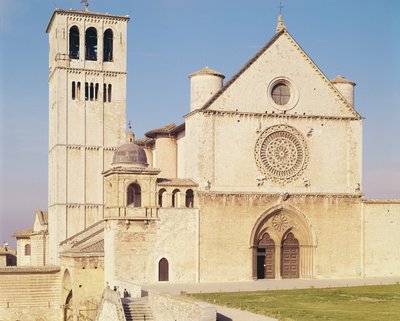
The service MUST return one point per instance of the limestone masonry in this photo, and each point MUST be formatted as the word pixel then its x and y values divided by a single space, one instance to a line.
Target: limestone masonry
pixel 262 180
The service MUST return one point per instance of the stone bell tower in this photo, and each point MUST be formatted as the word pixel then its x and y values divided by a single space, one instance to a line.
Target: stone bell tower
pixel 87 115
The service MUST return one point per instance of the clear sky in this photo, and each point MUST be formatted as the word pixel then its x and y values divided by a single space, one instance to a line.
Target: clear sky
pixel 168 40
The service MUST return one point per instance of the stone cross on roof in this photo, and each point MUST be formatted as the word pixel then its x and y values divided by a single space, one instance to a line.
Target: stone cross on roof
pixel 86 4
pixel 280 7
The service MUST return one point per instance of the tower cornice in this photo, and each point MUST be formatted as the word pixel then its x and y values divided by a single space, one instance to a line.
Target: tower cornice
pixel 83 13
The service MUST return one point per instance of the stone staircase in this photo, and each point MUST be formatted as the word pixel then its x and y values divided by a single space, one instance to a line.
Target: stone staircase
pixel 137 310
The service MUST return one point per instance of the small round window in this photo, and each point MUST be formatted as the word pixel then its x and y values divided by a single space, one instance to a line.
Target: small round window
pixel 281 94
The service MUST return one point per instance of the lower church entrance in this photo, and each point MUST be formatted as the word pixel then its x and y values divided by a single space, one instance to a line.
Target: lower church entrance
pixel 289 257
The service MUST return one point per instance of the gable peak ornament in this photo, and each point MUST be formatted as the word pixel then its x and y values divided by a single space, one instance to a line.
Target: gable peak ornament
pixel 281 24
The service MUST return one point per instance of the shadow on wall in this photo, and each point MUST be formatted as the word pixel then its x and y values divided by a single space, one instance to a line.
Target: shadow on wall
pixel 221 317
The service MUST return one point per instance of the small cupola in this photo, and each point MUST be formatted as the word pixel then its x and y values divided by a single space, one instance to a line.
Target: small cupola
pixel 130 154
pixel 345 87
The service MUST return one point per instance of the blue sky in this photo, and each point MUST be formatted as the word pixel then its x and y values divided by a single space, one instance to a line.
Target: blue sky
pixel 168 40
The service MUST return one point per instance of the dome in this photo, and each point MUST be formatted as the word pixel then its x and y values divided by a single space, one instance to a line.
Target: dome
pixel 130 154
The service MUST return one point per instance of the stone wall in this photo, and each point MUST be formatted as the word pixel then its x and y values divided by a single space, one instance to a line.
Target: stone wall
pixel 30 294
pixel 134 247
pixel 382 238
pixel 110 308
pixel 168 307
pixel 327 227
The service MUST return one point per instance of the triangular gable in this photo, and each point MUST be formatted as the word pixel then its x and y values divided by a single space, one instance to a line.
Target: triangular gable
pixel 346 109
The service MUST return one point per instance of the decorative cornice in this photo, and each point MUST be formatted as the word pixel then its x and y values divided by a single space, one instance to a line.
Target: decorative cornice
pixel 375 201
pixel 87 147
pixel 87 15
pixel 96 72
pixel 30 269
pixel 272 114
pixel 279 195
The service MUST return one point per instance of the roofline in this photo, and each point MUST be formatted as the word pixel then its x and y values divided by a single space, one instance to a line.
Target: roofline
pixel 84 13
pixel 242 70
pixel 255 58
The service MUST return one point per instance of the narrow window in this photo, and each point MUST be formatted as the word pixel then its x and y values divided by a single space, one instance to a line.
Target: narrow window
pixel 109 93
pixel 74 43
pixel 189 198
pixel 73 91
pixel 96 91
pixel 86 91
pixel 91 91
pixel 78 90
pixel 27 249
pixel 108 45
pixel 176 198
pixel 104 92
pixel 91 44
pixel 134 195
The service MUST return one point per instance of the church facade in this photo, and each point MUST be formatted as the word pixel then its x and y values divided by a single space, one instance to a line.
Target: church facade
pixel 262 180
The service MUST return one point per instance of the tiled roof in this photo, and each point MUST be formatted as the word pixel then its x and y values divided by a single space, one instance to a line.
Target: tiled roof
pixel 24 232
pixel 176 182
pixel 144 141
pixel 207 71
pixel 95 247
pixel 167 129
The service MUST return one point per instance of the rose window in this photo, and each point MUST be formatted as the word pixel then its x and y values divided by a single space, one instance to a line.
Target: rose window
pixel 281 153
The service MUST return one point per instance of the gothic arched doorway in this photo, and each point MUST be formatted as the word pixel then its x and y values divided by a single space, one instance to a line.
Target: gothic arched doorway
pixel 290 257
pixel 266 258
pixel 295 242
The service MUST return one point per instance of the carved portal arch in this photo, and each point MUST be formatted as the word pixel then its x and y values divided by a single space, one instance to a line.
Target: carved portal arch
pixel 278 222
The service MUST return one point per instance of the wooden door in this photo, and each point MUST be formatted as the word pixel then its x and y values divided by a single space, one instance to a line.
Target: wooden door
pixel 290 257
pixel 163 270
pixel 267 247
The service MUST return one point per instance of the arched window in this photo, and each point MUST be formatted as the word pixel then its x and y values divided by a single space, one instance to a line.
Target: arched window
pixel 74 43
pixel 163 270
pixel 176 198
pixel 161 197
pixel 91 44
pixel 134 195
pixel 189 198
pixel 27 249
pixel 108 45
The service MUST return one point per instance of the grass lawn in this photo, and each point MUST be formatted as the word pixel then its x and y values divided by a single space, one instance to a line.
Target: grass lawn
pixel 364 303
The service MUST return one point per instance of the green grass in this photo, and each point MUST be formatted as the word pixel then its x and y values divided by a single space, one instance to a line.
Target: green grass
pixel 365 303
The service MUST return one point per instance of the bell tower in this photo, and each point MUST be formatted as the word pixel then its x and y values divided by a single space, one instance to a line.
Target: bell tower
pixel 87 116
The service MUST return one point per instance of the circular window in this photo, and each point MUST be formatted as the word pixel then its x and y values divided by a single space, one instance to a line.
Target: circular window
pixel 281 153
pixel 282 94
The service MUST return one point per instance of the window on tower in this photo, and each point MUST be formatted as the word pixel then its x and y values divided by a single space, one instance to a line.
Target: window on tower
pixel 91 44
pixel 73 92
pixel 108 45
pixel 74 43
